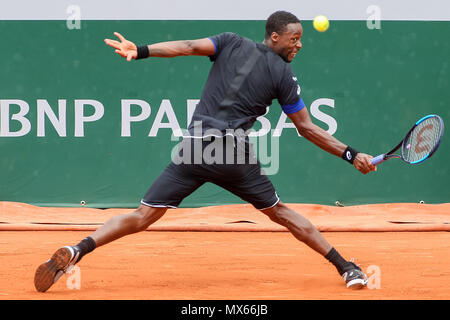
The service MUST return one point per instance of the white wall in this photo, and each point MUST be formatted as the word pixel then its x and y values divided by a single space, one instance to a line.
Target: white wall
pixel 438 10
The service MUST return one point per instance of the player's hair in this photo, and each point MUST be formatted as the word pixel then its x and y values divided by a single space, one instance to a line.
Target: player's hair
pixel 278 21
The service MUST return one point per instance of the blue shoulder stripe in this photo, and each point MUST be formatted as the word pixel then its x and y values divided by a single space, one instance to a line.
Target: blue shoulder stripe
pixel 293 108
pixel 215 47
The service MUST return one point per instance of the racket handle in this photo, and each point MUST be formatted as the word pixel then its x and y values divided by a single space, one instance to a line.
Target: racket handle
pixel 378 159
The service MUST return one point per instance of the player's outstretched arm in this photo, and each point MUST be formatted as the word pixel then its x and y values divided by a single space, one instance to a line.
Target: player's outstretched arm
pixel 327 142
pixel 170 49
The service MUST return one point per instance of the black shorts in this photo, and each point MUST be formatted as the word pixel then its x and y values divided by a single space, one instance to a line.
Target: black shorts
pixel 234 169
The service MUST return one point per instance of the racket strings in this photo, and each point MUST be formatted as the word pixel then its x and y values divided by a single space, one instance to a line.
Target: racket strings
pixel 422 140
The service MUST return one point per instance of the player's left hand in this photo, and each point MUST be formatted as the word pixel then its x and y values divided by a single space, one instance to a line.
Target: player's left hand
pixel 363 164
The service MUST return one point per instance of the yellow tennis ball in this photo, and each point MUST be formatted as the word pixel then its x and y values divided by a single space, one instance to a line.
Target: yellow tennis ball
pixel 321 23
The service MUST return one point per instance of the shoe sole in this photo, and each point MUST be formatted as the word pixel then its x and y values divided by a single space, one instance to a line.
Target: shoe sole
pixel 356 284
pixel 45 275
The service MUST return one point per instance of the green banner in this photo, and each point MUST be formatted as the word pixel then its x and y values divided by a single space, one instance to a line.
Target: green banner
pixel 79 123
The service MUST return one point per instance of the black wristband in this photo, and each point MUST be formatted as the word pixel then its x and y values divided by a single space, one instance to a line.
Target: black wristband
pixel 142 52
pixel 349 154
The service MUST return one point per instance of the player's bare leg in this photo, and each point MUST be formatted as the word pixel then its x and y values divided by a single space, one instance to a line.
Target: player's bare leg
pixel 306 232
pixel 299 226
pixel 122 225
pixel 119 226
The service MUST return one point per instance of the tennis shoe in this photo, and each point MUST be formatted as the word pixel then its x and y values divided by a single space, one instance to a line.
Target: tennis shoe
pixel 61 262
pixel 354 277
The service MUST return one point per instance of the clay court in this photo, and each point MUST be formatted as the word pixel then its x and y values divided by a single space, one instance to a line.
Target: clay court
pixel 232 252
pixel 317 94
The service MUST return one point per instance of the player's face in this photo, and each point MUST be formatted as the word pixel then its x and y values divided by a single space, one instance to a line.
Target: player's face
pixel 288 43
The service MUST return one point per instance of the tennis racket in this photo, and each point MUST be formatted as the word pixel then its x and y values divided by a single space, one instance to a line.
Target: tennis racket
pixel 420 142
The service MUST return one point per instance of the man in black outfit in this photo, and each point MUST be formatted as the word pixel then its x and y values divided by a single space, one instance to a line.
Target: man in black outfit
pixel 244 79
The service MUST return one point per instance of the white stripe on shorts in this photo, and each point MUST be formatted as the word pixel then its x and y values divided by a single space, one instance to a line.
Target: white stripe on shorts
pixel 278 200
pixel 158 205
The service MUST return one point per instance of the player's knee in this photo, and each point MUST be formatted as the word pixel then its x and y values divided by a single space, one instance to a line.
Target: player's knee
pixel 148 215
pixel 279 213
pixel 289 218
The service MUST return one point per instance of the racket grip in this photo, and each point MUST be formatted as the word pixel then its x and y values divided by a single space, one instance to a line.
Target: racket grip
pixel 378 159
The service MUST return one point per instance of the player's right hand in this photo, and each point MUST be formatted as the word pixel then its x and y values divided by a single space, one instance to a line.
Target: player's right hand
pixel 124 48
pixel 363 164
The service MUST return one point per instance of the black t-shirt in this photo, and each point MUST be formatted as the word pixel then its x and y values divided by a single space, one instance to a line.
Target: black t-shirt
pixel 244 79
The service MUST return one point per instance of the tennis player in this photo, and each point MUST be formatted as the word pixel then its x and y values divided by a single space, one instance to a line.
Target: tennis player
pixel 244 79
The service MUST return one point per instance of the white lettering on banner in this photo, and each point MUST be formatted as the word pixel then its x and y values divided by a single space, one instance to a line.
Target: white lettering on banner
pixel 59 123
pixel 325 118
pixel 20 116
pixel 281 124
pixel 315 112
pixel 82 114
pixel 165 109
pixel 265 123
pixel 127 118
pixel 191 105
pixel 80 118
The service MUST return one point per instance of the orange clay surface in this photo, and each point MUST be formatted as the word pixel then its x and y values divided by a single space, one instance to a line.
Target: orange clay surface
pixel 230 265
pixel 231 253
